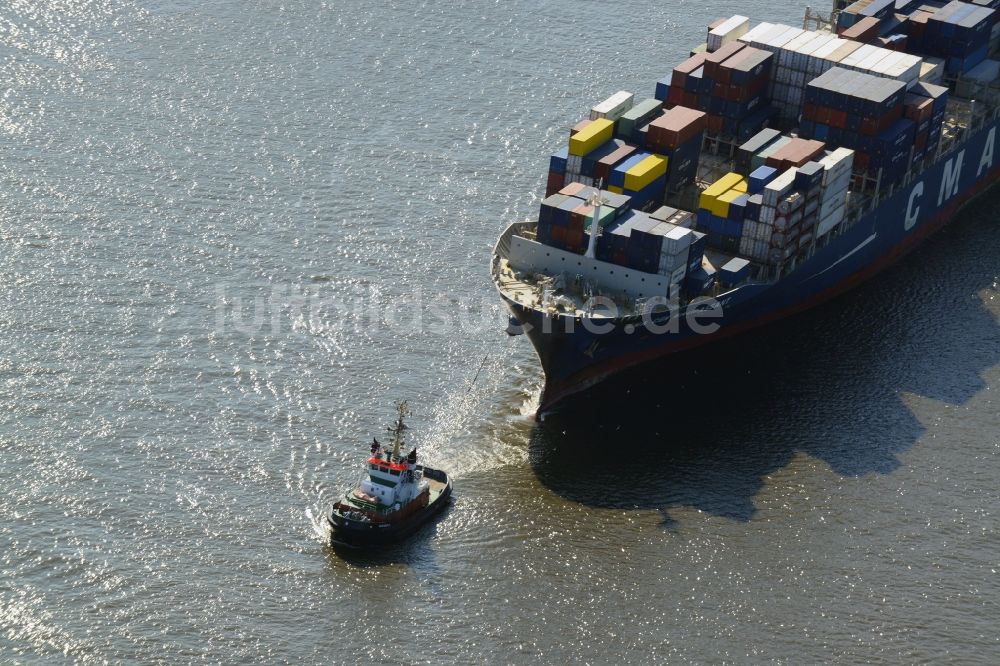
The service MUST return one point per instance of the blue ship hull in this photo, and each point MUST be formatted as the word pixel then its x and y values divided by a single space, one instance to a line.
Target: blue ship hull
pixel 577 355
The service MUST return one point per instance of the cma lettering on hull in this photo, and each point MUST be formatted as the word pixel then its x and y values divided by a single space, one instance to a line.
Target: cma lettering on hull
pixel 951 177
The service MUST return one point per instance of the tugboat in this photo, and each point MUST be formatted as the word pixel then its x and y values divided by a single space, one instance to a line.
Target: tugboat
pixel 394 497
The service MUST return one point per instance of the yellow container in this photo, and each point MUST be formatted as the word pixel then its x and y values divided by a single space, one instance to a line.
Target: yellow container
pixel 615 190
pixel 741 186
pixel 720 206
pixel 645 172
pixel 592 136
pixel 717 189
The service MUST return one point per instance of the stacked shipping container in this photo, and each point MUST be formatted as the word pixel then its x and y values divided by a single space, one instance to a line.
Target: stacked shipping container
pixel 565 218
pixel 874 116
pixel 729 84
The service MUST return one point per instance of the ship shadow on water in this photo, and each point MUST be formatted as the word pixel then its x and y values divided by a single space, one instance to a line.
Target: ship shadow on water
pixel 706 430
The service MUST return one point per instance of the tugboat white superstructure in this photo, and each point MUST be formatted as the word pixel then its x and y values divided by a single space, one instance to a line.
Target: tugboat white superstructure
pixel 394 497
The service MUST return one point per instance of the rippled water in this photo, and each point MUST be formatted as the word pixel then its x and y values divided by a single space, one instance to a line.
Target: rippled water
pixel 218 220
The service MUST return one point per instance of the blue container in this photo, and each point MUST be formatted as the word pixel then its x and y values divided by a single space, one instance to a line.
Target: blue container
pixel 617 175
pixel 735 271
pixel 754 204
pixel 698 281
pixel 591 159
pixel 696 251
pixel 752 124
pixel 703 220
pixel 557 163
pixel 900 135
pixel 879 9
pixel 544 234
pixel 694 81
pixel 809 176
pixel 760 177
pixel 652 193
pixel 733 228
pixel 683 165
pixel 549 204
pixel 561 213
pixel 663 88
pixel 737 209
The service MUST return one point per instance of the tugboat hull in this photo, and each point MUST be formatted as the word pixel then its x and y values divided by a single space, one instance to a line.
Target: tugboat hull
pixel 350 533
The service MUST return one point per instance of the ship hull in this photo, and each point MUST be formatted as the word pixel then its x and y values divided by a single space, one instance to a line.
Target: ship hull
pixel 577 354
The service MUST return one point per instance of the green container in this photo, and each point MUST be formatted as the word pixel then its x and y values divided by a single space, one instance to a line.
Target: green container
pixel 636 117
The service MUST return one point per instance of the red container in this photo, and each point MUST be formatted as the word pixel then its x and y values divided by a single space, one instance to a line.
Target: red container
pixel 554 183
pixel 713 60
pixel 579 126
pixel 715 124
pixel 573 189
pixel 675 96
pixel 681 71
pixel 574 238
pixel 578 217
pixel 675 127
pixel 838 119
pixel 865 30
pixel 559 234
pixel 918 108
pixel 795 153
pixel 916 24
pixel 604 166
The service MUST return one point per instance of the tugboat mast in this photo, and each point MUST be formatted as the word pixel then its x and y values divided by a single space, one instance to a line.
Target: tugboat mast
pixel 398 430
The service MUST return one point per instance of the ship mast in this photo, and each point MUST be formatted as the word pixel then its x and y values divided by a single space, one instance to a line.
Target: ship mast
pixel 595 200
pixel 397 430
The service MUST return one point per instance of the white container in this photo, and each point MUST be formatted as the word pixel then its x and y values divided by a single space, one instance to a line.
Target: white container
pixel 829 48
pixel 845 50
pixel 755 33
pixel 789 48
pixel 906 68
pixel 671 262
pixel 791 203
pixel 836 165
pixel 731 30
pixel 766 38
pixel 932 69
pixel 677 240
pixel 832 205
pixel 837 187
pixel 763 232
pixel 853 60
pixel 873 59
pixel 831 221
pixel 779 188
pixel 819 41
pixel 613 107
pixel 785 36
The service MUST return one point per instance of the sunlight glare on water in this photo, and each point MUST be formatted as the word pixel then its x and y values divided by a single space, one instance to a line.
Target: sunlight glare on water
pixel 236 233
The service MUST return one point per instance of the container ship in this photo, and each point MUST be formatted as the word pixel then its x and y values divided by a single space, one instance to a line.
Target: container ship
pixel 772 170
